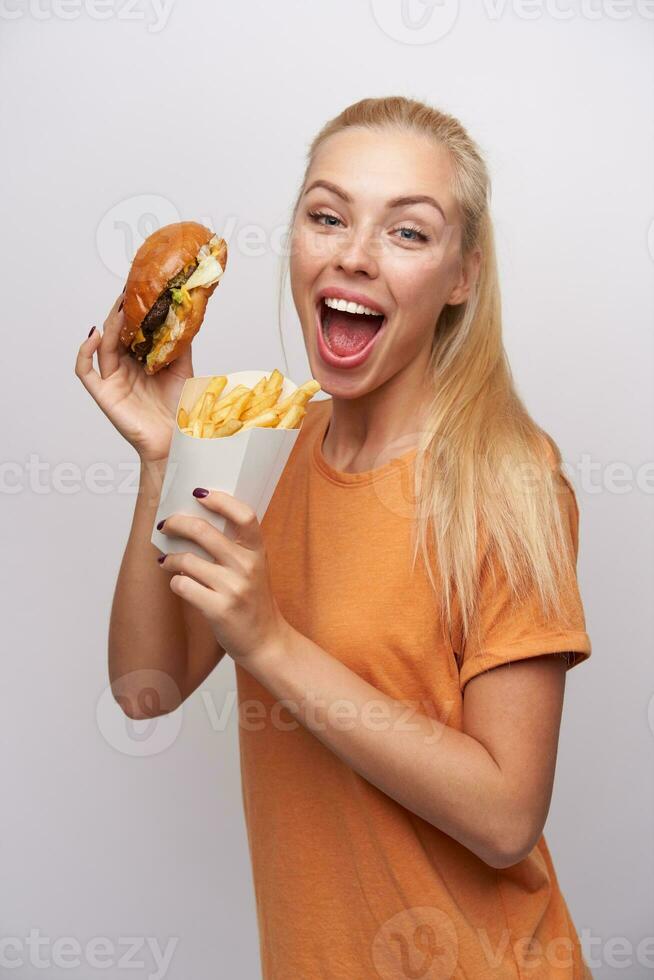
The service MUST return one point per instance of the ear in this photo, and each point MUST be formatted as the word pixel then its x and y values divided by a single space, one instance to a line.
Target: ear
pixel 467 278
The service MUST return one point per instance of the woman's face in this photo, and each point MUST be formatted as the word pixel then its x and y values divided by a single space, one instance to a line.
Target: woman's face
pixel 358 236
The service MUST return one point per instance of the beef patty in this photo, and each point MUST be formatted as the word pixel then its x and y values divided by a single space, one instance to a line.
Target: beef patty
pixel 158 313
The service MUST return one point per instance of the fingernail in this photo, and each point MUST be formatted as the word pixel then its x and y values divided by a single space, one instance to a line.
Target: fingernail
pixel 160 525
pixel 161 559
pixel 90 332
pixel 121 306
pixel 200 492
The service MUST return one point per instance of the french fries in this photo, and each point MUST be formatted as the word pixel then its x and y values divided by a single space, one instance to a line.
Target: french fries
pixel 243 408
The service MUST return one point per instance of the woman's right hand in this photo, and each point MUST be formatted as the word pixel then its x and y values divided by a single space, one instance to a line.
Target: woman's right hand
pixel 141 406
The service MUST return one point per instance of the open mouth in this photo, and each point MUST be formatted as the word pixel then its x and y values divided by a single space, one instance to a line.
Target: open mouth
pixel 347 334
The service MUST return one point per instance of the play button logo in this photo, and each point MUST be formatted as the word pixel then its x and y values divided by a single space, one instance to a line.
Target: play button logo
pixel 415 21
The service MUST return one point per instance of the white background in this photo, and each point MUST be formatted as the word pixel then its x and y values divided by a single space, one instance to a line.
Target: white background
pixel 205 111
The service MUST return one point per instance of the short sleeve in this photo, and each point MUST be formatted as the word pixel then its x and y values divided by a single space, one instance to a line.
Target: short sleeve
pixel 507 630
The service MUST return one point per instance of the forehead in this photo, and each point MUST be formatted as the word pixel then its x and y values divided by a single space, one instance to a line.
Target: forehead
pixel 376 165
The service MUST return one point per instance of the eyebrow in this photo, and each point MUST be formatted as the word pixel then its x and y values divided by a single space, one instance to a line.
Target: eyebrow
pixel 396 202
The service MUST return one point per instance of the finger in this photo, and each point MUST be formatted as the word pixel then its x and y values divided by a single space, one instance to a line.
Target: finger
pixel 214 542
pixel 84 364
pixel 111 348
pixel 207 573
pixel 242 516
pixel 204 599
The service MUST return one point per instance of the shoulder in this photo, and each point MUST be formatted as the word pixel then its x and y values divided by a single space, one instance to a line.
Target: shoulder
pixel 553 458
pixel 550 452
pixel 319 407
pixel 318 410
pixel 566 496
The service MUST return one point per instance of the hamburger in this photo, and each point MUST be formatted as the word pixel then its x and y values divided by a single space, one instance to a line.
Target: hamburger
pixel 171 278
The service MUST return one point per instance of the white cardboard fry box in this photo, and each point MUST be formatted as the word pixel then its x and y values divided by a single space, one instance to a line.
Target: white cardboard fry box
pixel 247 465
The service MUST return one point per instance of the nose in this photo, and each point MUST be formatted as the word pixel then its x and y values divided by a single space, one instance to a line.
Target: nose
pixel 355 254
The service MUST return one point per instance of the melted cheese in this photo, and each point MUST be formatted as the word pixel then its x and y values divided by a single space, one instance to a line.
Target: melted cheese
pixel 183 302
pixel 165 337
pixel 208 271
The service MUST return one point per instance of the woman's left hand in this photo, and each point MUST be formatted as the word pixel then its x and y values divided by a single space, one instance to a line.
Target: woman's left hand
pixel 234 591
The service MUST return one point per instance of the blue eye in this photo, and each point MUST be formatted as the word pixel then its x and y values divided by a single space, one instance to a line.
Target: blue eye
pixel 420 236
pixel 317 215
pixel 331 221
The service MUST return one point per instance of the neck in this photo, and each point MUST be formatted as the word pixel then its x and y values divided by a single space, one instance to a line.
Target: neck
pixel 366 432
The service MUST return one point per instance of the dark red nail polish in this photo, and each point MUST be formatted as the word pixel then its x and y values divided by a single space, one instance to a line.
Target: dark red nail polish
pixel 90 332
pixel 161 559
pixel 200 492
pixel 160 525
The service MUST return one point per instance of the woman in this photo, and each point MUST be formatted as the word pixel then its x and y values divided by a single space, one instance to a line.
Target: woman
pixel 399 716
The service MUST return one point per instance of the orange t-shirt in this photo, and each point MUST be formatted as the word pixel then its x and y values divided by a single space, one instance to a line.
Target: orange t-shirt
pixel 349 884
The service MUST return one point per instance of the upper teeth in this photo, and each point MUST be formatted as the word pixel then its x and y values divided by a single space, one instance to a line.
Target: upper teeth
pixel 342 304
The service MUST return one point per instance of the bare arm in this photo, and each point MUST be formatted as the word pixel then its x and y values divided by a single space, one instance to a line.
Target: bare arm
pixel 160 647
pixel 488 786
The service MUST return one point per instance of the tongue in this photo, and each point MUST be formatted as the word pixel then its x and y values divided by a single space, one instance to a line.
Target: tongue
pixel 348 333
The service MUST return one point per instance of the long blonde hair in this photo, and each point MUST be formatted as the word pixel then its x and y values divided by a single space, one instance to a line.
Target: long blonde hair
pixel 479 447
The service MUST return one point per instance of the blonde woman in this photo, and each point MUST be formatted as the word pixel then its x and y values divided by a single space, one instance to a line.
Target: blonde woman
pixel 403 618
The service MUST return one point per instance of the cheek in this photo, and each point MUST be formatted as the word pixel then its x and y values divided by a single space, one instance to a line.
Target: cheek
pixel 301 278
pixel 420 284
pixel 295 261
pixel 306 254
pixel 417 308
